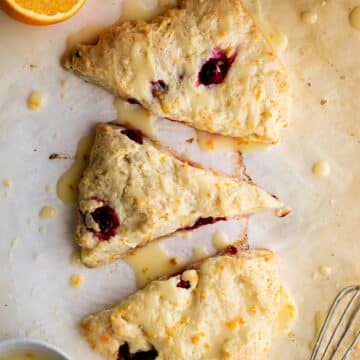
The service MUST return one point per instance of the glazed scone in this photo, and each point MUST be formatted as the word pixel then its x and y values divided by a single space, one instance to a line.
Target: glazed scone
pixel 135 191
pixel 226 308
pixel 204 63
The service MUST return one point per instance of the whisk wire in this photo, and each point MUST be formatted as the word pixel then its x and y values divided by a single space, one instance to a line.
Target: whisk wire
pixel 328 320
pixel 352 346
pixel 347 328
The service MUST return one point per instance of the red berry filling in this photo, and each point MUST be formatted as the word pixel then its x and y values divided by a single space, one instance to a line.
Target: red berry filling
pixel 185 284
pixel 133 101
pixel 134 135
pixel 204 221
pixel 214 71
pixel 124 354
pixel 107 220
pixel 231 250
pixel 159 88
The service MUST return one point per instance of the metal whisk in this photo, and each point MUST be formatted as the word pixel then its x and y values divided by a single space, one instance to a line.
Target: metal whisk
pixel 329 341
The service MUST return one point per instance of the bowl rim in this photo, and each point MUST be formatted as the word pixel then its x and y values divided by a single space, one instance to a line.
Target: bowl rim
pixel 35 342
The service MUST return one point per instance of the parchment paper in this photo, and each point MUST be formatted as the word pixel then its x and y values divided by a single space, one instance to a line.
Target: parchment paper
pixel 323 61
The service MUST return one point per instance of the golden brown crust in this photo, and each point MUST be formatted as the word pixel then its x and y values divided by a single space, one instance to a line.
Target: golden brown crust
pixel 227 311
pixel 151 193
pixel 252 103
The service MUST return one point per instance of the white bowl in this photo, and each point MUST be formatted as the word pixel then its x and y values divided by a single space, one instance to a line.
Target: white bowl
pixel 19 345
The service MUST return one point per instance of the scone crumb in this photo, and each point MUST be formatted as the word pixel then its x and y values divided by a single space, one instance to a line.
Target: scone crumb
pixel 283 212
pixel 76 281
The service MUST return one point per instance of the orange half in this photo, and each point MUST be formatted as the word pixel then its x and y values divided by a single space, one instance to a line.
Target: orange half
pixel 41 12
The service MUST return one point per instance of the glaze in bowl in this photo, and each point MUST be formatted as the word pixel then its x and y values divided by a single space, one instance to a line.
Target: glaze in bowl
pixel 40 348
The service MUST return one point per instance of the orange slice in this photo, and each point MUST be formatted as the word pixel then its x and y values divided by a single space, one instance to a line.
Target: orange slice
pixel 41 12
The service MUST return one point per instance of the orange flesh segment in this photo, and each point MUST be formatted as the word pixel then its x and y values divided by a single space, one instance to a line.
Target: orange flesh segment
pixel 46 7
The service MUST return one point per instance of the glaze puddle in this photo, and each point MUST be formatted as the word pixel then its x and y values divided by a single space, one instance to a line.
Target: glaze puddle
pixel 68 183
pixel 152 262
pixel 23 356
pixel 212 142
pixel 135 117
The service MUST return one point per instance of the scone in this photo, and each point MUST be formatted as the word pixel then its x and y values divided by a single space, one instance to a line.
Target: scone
pixel 204 63
pixel 135 191
pixel 226 308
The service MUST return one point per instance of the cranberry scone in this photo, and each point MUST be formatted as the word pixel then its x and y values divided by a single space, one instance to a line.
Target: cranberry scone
pixel 134 191
pixel 204 63
pixel 225 308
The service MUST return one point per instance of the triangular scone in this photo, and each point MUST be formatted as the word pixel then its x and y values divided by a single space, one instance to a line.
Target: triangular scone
pixel 226 308
pixel 135 191
pixel 204 63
